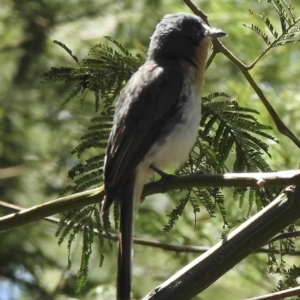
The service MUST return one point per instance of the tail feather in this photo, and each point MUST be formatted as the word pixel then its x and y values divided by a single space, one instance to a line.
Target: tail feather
pixel 125 240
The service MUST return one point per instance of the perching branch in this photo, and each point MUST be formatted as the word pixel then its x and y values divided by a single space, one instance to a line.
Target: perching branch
pixel 50 208
pixel 283 178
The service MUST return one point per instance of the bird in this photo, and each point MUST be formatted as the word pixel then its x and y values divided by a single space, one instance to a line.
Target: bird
pixel 156 121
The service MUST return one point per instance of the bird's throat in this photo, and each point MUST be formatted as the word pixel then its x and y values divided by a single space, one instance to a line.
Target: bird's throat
pixel 199 60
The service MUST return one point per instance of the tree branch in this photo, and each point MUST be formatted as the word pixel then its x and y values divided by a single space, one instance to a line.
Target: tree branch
pixel 258 180
pixel 279 295
pixel 219 47
pixel 50 208
pixel 251 235
pixel 167 246
pixel 12 171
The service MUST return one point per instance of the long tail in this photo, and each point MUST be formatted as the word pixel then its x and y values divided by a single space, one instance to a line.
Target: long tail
pixel 125 241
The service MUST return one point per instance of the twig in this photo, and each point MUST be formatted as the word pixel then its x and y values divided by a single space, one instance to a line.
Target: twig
pixel 196 10
pixel 279 295
pixel 250 66
pixel 12 171
pixel 164 246
pixel 285 235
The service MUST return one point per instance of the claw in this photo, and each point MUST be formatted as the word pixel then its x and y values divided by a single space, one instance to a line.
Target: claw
pixel 164 176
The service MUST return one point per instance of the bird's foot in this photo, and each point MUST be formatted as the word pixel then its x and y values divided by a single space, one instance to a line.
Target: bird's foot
pixel 164 176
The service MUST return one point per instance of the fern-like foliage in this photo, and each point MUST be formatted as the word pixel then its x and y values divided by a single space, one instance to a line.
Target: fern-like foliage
pixel 226 131
pixel 103 72
pixel 290 30
pixel 87 175
pixel 278 266
pixel 227 125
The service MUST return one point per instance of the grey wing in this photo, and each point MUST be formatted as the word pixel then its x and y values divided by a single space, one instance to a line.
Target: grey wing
pixel 146 104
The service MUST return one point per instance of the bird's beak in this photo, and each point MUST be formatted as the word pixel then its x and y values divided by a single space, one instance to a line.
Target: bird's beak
pixel 213 32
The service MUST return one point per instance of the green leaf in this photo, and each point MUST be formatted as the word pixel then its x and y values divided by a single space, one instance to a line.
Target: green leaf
pixel 67 49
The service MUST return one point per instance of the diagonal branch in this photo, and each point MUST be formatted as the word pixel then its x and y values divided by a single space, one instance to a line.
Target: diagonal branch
pixel 279 295
pixel 210 266
pixel 281 127
pixel 219 47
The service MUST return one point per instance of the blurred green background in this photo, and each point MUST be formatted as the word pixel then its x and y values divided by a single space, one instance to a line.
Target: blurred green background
pixel 38 135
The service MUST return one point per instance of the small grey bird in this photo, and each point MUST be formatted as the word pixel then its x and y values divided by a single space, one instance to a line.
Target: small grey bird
pixel 156 121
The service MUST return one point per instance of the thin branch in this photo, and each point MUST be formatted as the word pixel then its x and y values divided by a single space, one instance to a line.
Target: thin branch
pixel 211 58
pixel 255 180
pixel 249 67
pixel 16 208
pixel 285 235
pixel 12 171
pixel 258 180
pixel 50 208
pixel 219 47
pixel 279 295
pixel 281 127
pixel 159 245
pixel 196 10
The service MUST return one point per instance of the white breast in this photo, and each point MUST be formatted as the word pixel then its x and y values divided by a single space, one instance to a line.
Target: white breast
pixel 176 147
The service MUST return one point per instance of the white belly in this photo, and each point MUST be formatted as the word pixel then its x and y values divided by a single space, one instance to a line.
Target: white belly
pixel 176 147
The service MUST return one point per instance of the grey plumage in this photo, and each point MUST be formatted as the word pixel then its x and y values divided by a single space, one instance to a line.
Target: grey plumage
pixel 156 119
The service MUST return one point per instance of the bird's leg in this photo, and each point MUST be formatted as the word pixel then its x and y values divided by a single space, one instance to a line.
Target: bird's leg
pixel 164 176
pixel 159 172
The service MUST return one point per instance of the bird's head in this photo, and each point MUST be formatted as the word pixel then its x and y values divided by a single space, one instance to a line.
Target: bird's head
pixel 177 36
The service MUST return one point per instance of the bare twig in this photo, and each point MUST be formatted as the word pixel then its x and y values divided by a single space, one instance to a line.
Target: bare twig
pixel 163 246
pixel 285 235
pixel 196 10
pixel 12 171
pixel 279 295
